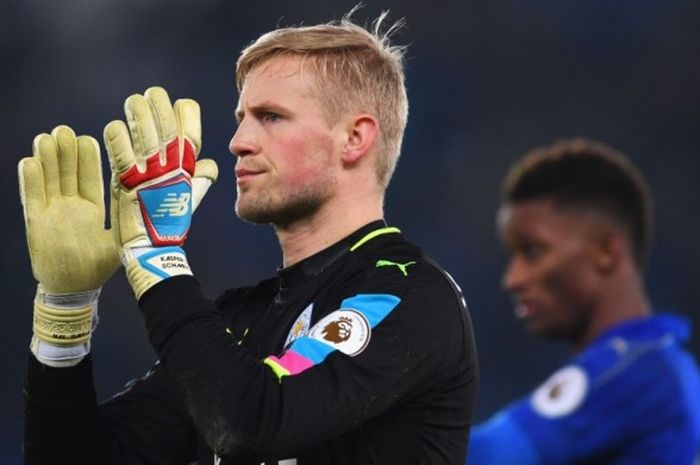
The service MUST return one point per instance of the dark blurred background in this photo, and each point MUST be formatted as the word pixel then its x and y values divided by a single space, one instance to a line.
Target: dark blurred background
pixel 487 81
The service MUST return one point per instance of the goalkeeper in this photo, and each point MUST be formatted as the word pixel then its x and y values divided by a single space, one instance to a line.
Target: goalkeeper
pixel 358 351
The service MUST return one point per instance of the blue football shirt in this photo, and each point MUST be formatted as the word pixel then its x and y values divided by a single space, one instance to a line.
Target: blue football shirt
pixel 631 397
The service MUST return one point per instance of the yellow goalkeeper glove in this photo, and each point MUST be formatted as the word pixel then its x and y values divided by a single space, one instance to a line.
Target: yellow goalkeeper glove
pixel 71 252
pixel 156 184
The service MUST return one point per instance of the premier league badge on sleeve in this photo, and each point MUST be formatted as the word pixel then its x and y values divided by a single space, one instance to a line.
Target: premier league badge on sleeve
pixel 562 393
pixel 346 330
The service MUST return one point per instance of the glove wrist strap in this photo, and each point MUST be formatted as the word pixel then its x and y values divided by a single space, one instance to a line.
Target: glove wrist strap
pixel 63 325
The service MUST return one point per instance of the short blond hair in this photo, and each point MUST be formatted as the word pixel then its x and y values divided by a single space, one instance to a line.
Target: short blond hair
pixel 356 70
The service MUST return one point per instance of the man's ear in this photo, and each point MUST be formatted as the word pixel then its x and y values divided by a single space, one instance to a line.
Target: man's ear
pixel 610 248
pixel 362 132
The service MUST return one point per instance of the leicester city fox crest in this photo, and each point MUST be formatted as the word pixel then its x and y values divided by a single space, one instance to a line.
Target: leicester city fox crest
pixel 301 325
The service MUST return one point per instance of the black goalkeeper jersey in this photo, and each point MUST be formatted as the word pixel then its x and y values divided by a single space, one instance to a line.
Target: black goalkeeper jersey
pixel 360 354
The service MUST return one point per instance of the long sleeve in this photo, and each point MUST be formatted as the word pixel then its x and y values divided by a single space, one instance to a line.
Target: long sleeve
pixel 65 425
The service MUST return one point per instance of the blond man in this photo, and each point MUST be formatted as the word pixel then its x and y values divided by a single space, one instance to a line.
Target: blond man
pixel 358 351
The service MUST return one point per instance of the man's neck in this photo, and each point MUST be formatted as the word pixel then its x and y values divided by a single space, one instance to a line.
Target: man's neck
pixel 330 224
pixel 626 300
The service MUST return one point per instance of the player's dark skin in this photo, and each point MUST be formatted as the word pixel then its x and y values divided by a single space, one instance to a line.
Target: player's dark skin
pixel 570 272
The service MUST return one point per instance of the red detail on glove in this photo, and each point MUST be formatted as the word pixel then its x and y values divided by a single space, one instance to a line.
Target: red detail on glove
pixel 188 158
pixel 133 177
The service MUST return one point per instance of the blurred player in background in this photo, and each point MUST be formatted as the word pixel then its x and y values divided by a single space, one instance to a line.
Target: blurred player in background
pixel 358 351
pixel 576 218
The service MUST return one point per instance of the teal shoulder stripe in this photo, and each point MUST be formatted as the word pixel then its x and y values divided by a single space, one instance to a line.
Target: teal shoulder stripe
pixel 313 349
pixel 374 307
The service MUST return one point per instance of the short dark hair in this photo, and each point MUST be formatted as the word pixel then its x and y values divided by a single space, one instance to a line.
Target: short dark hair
pixel 586 174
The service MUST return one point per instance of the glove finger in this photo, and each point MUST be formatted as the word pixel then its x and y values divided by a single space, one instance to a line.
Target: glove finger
pixel 163 111
pixel 44 148
pixel 206 173
pixel 119 149
pixel 90 182
pixel 31 185
pixel 189 123
pixel 206 168
pixel 142 126
pixel 67 159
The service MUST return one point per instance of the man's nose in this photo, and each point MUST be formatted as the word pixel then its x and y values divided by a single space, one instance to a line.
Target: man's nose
pixel 514 276
pixel 242 143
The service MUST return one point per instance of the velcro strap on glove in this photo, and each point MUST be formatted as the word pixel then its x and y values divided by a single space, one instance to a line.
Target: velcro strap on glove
pixel 63 325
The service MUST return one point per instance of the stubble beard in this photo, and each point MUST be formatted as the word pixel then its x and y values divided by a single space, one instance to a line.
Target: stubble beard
pixel 284 210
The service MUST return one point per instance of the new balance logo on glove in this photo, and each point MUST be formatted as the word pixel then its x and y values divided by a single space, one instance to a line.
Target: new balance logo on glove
pixel 174 205
pixel 166 210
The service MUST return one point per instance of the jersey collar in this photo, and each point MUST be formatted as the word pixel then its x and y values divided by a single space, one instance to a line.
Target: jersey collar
pixel 312 266
pixel 650 328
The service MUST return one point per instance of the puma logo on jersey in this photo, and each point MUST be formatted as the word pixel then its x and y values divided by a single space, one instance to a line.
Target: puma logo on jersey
pixel 173 205
pixel 401 266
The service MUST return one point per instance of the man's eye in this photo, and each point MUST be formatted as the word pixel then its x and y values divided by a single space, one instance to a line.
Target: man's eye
pixel 271 117
pixel 532 251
